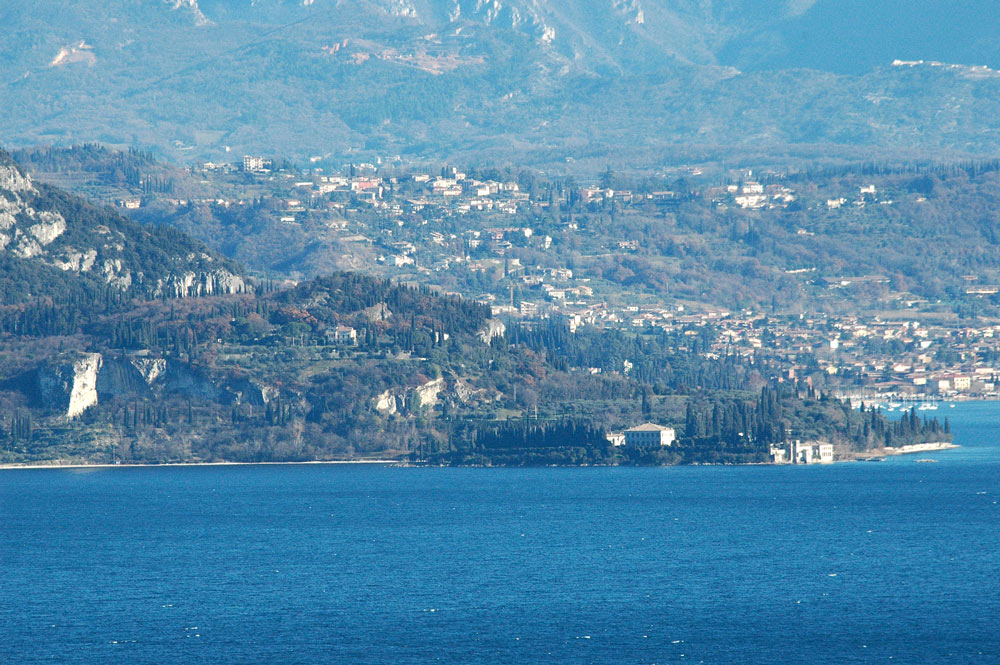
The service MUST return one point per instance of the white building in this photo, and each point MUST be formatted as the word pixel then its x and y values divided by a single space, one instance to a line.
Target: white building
pixel 812 453
pixel 802 453
pixel 616 438
pixel 649 435
pixel 342 335
pixel 255 163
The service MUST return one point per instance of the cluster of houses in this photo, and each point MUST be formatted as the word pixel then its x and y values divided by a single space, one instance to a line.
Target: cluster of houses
pixel 452 192
pixel 909 357
pixel 850 355
pixel 752 195
pixel 870 356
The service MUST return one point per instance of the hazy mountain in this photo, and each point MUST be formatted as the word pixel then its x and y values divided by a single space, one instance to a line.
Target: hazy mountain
pixel 532 80
pixel 853 36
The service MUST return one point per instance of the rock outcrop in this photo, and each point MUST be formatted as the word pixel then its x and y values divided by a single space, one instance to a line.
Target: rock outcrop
pixel 249 391
pixel 492 328
pixel 426 395
pixel 45 226
pixel 192 6
pixel 12 180
pixel 466 393
pixel 192 284
pixel 149 368
pixel 119 377
pixel 183 379
pixel 24 231
pixel 69 384
pixel 386 403
pixel 142 376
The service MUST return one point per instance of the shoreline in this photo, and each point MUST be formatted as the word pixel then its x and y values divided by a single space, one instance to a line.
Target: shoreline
pixel 909 449
pixel 80 465
pixel 854 457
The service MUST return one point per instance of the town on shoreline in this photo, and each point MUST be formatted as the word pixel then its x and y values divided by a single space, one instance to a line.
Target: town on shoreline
pixel 502 317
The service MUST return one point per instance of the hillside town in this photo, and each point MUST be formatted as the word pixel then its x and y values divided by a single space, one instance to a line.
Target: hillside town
pixel 503 235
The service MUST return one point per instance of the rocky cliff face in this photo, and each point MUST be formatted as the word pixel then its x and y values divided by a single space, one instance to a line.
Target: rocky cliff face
pixel 45 226
pixel 69 384
pixel 195 284
pixel 386 403
pixel 183 379
pixel 120 378
pixel 148 377
pixel 409 401
pixel 24 231
pixel 83 394
pixel 132 376
pixel 149 368
pixel 492 329
pixel 426 395
pixel 192 7
pixel 249 391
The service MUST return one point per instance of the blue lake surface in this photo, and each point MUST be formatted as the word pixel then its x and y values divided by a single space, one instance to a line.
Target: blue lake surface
pixel 892 562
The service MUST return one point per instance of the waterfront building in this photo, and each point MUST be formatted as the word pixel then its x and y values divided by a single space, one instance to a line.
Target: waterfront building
pixel 649 435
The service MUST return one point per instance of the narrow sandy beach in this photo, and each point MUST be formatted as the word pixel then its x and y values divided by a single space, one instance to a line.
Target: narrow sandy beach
pixel 904 450
pixel 57 465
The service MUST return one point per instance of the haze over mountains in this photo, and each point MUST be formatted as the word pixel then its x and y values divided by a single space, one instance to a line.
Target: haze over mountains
pixel 526 80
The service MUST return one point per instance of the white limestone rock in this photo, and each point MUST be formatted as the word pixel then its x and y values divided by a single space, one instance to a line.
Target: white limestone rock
pixel 8 210
pixel 13 180
pixel 227 283
pixel 26 247
pixel 386 403
pixel 426 394
pixel 75 261
pixel 115 275
pixel 250 391
pixel 192 285
pixel 84 392
pixel 492 329
pixel 70 383
pixel 150 368
pixel 50 226
pixel 191 6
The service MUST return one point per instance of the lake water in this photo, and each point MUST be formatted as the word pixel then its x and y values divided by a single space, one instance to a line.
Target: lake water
pixel 892 562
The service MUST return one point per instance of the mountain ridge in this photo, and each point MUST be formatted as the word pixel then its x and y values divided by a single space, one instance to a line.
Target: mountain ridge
pixel 514 81
pixel 51 241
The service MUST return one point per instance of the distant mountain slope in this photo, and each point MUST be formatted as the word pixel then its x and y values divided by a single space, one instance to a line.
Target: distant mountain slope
pixel 52 243
pixel 844 36
pixel 853 36
pixel 525 80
